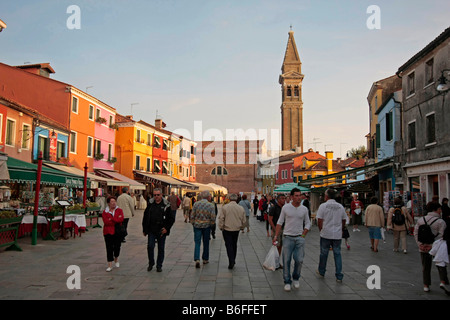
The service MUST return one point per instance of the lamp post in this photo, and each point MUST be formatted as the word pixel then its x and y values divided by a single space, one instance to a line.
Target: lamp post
pixel 36 200
pixel 442 86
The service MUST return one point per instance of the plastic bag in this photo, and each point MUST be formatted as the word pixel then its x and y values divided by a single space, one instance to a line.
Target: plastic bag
pixel 272 261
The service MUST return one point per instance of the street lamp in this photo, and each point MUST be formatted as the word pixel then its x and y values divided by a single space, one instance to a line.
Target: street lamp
pixel 442 86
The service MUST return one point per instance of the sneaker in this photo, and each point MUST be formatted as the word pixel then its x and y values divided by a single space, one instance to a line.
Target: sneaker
pixel 358 230
pixel 426 289
pixel 339 280
pixel 296 284
pixel 197 264
pixel 205 261
pixel 117 264
pixel 405 252
pixel 444 287
pixel 287 287
pixel 318 273
pixel 108 269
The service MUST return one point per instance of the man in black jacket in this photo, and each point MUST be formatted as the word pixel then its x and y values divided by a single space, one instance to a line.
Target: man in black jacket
pixel 156 224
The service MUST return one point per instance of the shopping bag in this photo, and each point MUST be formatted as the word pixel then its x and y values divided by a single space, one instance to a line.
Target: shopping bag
pixel 272 261
pixel 383 236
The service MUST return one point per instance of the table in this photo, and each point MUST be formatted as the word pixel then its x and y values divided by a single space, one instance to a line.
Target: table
pixel 75 222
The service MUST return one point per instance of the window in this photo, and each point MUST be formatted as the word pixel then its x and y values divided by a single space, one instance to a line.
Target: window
pixel 110 155
pixel 378 135
pixel 43 147
pixel 156 166
pixel 89 146
pixel 429 72
pixel 111 120
pixel 389 126
pixel 74 104
pixel 289 91
pixel 431 128
pixel 411 86
pixel 25 136
pixel 97 147
pixel 149 164
pixel 60 150
pixel 97 114
pixel 412 135
pixel 138 135
pixel 73 142
pixel 292 173
pixel 165 169
pixel 296 91
pixel 91 112
pixel 165 144
pixel 218 171
pixel 157 142
pixel 10 132
pixel 138 162
pixel 149 139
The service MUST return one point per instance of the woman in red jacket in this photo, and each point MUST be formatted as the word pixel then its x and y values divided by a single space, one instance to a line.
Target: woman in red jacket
pixel 111 216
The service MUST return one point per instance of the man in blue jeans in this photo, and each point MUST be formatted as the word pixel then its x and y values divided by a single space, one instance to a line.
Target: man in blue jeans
pixel 203 217
pixel 296 225
pixel 331 219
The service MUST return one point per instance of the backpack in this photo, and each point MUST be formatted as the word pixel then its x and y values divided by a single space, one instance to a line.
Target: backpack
pixel 425 235
pixel 398 218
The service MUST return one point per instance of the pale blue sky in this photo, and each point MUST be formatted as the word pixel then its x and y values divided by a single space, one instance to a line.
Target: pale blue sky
pixel 219 61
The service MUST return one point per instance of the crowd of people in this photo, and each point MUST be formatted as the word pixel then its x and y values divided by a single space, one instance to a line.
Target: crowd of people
pixel 288 221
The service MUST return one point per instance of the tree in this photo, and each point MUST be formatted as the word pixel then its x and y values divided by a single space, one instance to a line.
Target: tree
pixel 358 152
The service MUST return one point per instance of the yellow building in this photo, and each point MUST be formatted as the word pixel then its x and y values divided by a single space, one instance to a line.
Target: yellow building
pixel 134 146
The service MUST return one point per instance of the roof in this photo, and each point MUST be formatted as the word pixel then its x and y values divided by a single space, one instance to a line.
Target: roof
pixel 430 47
pixel 45 65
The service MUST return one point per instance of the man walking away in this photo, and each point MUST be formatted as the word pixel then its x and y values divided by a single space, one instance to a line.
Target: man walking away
pixel 126 203
pixel 203 217
pixel 331 221
pixel 156 224
pixel 231 221
pixel 174 204
pixel 296 226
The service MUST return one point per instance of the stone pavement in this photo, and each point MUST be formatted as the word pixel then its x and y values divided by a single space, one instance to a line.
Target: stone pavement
pixel 40 271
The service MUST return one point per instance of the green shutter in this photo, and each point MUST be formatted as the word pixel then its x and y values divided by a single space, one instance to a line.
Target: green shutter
pixel 378 135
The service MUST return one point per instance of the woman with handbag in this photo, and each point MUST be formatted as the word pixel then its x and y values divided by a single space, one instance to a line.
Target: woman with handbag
pixel 112 220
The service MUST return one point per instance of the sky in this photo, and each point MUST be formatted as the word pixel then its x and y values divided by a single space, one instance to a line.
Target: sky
pixel 210 68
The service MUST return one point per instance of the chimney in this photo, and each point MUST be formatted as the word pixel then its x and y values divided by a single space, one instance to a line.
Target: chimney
pixel 329 156
pixel 42 69
pixel 129 117
pixel 159 123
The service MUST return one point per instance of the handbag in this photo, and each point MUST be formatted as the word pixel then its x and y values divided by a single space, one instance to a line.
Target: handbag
pixel 119 230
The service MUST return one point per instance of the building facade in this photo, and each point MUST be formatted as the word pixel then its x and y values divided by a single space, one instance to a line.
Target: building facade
pixel 424 151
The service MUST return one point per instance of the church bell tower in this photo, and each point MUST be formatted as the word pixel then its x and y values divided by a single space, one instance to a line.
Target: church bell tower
pixel 291 79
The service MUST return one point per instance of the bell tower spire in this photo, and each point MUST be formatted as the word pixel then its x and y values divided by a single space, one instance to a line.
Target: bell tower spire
pixel 291 80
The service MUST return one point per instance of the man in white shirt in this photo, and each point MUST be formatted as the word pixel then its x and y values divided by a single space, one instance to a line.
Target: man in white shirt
pixel 296 225
pixel 331 219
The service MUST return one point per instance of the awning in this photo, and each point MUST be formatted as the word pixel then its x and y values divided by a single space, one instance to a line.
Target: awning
pixel 21 171
pixel 218 188
pixel 287 187
pixel 91 176
pixel 115 175
pixel 163 179
pixel 202 187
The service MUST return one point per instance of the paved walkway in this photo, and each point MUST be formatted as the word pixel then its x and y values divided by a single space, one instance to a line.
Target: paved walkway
pixel 40 271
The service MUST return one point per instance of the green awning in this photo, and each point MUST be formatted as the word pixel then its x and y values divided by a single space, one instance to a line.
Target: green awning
pixel 287 187
pixel 21 171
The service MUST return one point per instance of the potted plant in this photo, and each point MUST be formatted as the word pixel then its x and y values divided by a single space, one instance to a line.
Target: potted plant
pixel 100 120
pixel 99 156
pixel 112 160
